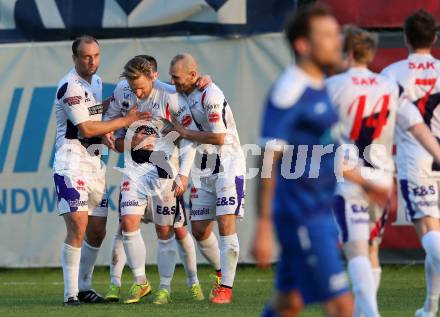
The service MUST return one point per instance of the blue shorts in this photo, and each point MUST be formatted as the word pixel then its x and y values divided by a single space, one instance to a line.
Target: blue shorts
pixel 310 260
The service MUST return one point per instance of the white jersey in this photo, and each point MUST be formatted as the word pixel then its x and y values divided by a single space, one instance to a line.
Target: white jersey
pixel 163 105
pixel 77 101
pixel 418 76
pixel 369 105
pixel 211 112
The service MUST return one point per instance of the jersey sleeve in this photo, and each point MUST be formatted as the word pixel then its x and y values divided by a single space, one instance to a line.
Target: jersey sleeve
pixel 71 96
pixel 407 114
pixel 114 108
pixel 164 86
pixel 278 122
pixel 214 105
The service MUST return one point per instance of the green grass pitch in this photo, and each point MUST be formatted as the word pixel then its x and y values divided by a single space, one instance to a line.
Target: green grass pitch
pixel 38 292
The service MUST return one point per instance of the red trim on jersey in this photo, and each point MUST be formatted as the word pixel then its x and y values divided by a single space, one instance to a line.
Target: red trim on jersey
pixel 203 100
pixel 167 112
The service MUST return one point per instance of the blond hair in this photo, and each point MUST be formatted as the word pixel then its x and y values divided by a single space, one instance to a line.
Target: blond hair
pixel 362 44
pixel 137 67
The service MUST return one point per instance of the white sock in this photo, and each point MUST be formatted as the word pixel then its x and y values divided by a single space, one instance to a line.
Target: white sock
pixel 136 253
pixel 166 262
pixel 118 259
pixel 86 266
pixel 229 251
pixel 357 309
pixel 430 242
pixel 363 285
pixel 187 253
pixel 210 250
pixel 70 257
pixel 432 287
pixel 377 274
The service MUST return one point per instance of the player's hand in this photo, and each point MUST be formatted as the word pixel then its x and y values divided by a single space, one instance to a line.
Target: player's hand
pixel 109 140
pixel 203 82
pixel 141 141
pixel 134 115
pixel 173 125
pixel 180 184
pixel 262 247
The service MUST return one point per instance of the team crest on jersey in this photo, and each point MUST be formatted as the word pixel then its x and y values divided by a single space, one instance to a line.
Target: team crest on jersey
pixel 74 100
pixel 214 117
pixel 194 193
pixel 87 97
pixel 186 121
pixel 125 186
pixel 80 185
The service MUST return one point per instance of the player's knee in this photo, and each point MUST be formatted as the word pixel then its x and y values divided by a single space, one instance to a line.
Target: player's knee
pixel 344 306
pixel 164 232
pixel 97 236
pixel 200 233
pixel 226 225
pixel 180 233
pixel 129 224
pixel 288 304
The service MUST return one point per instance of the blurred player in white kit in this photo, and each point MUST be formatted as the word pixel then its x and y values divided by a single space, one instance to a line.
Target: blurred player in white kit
pixel 370 107
pixel 418 174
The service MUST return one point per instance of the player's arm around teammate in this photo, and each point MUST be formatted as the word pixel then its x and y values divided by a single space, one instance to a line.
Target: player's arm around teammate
pixel 78 174
pixel 222 197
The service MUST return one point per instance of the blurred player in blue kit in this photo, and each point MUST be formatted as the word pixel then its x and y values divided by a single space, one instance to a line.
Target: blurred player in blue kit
pixel 310 267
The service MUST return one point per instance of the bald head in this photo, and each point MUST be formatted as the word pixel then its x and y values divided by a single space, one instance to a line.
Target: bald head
pixel 184 72
pixel 185 61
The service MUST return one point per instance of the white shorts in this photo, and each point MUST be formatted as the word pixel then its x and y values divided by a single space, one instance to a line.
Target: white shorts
pixel 81 191
pixel 357 217
pixel 153 199
pixel 216 196
pixel 421 197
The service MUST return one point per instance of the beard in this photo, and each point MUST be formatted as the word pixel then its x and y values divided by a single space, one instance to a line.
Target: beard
pixel 327 67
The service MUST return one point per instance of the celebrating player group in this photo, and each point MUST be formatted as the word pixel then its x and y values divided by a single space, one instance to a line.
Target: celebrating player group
pixel 348 123
pixel 165 132
pixel 329 130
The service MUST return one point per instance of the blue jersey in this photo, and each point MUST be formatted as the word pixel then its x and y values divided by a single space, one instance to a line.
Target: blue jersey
pixel 299 114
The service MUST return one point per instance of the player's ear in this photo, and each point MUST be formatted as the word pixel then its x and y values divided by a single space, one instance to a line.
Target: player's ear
pixel 302 46
pixel 435 40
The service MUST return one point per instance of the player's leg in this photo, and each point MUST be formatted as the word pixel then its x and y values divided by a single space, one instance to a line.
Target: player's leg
pixel 72 197
pixel 76 223
pixel 95 234
pixel 229 252
pixel 229 206
pixel 166 262
pixel 202 216
pixel 421 199
pixel 187 253
pixel 428 230
pixel 118 259
pixel 284 305
pixel 133 202
pixel 352 214
pixel 342 306
pixel 325 280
